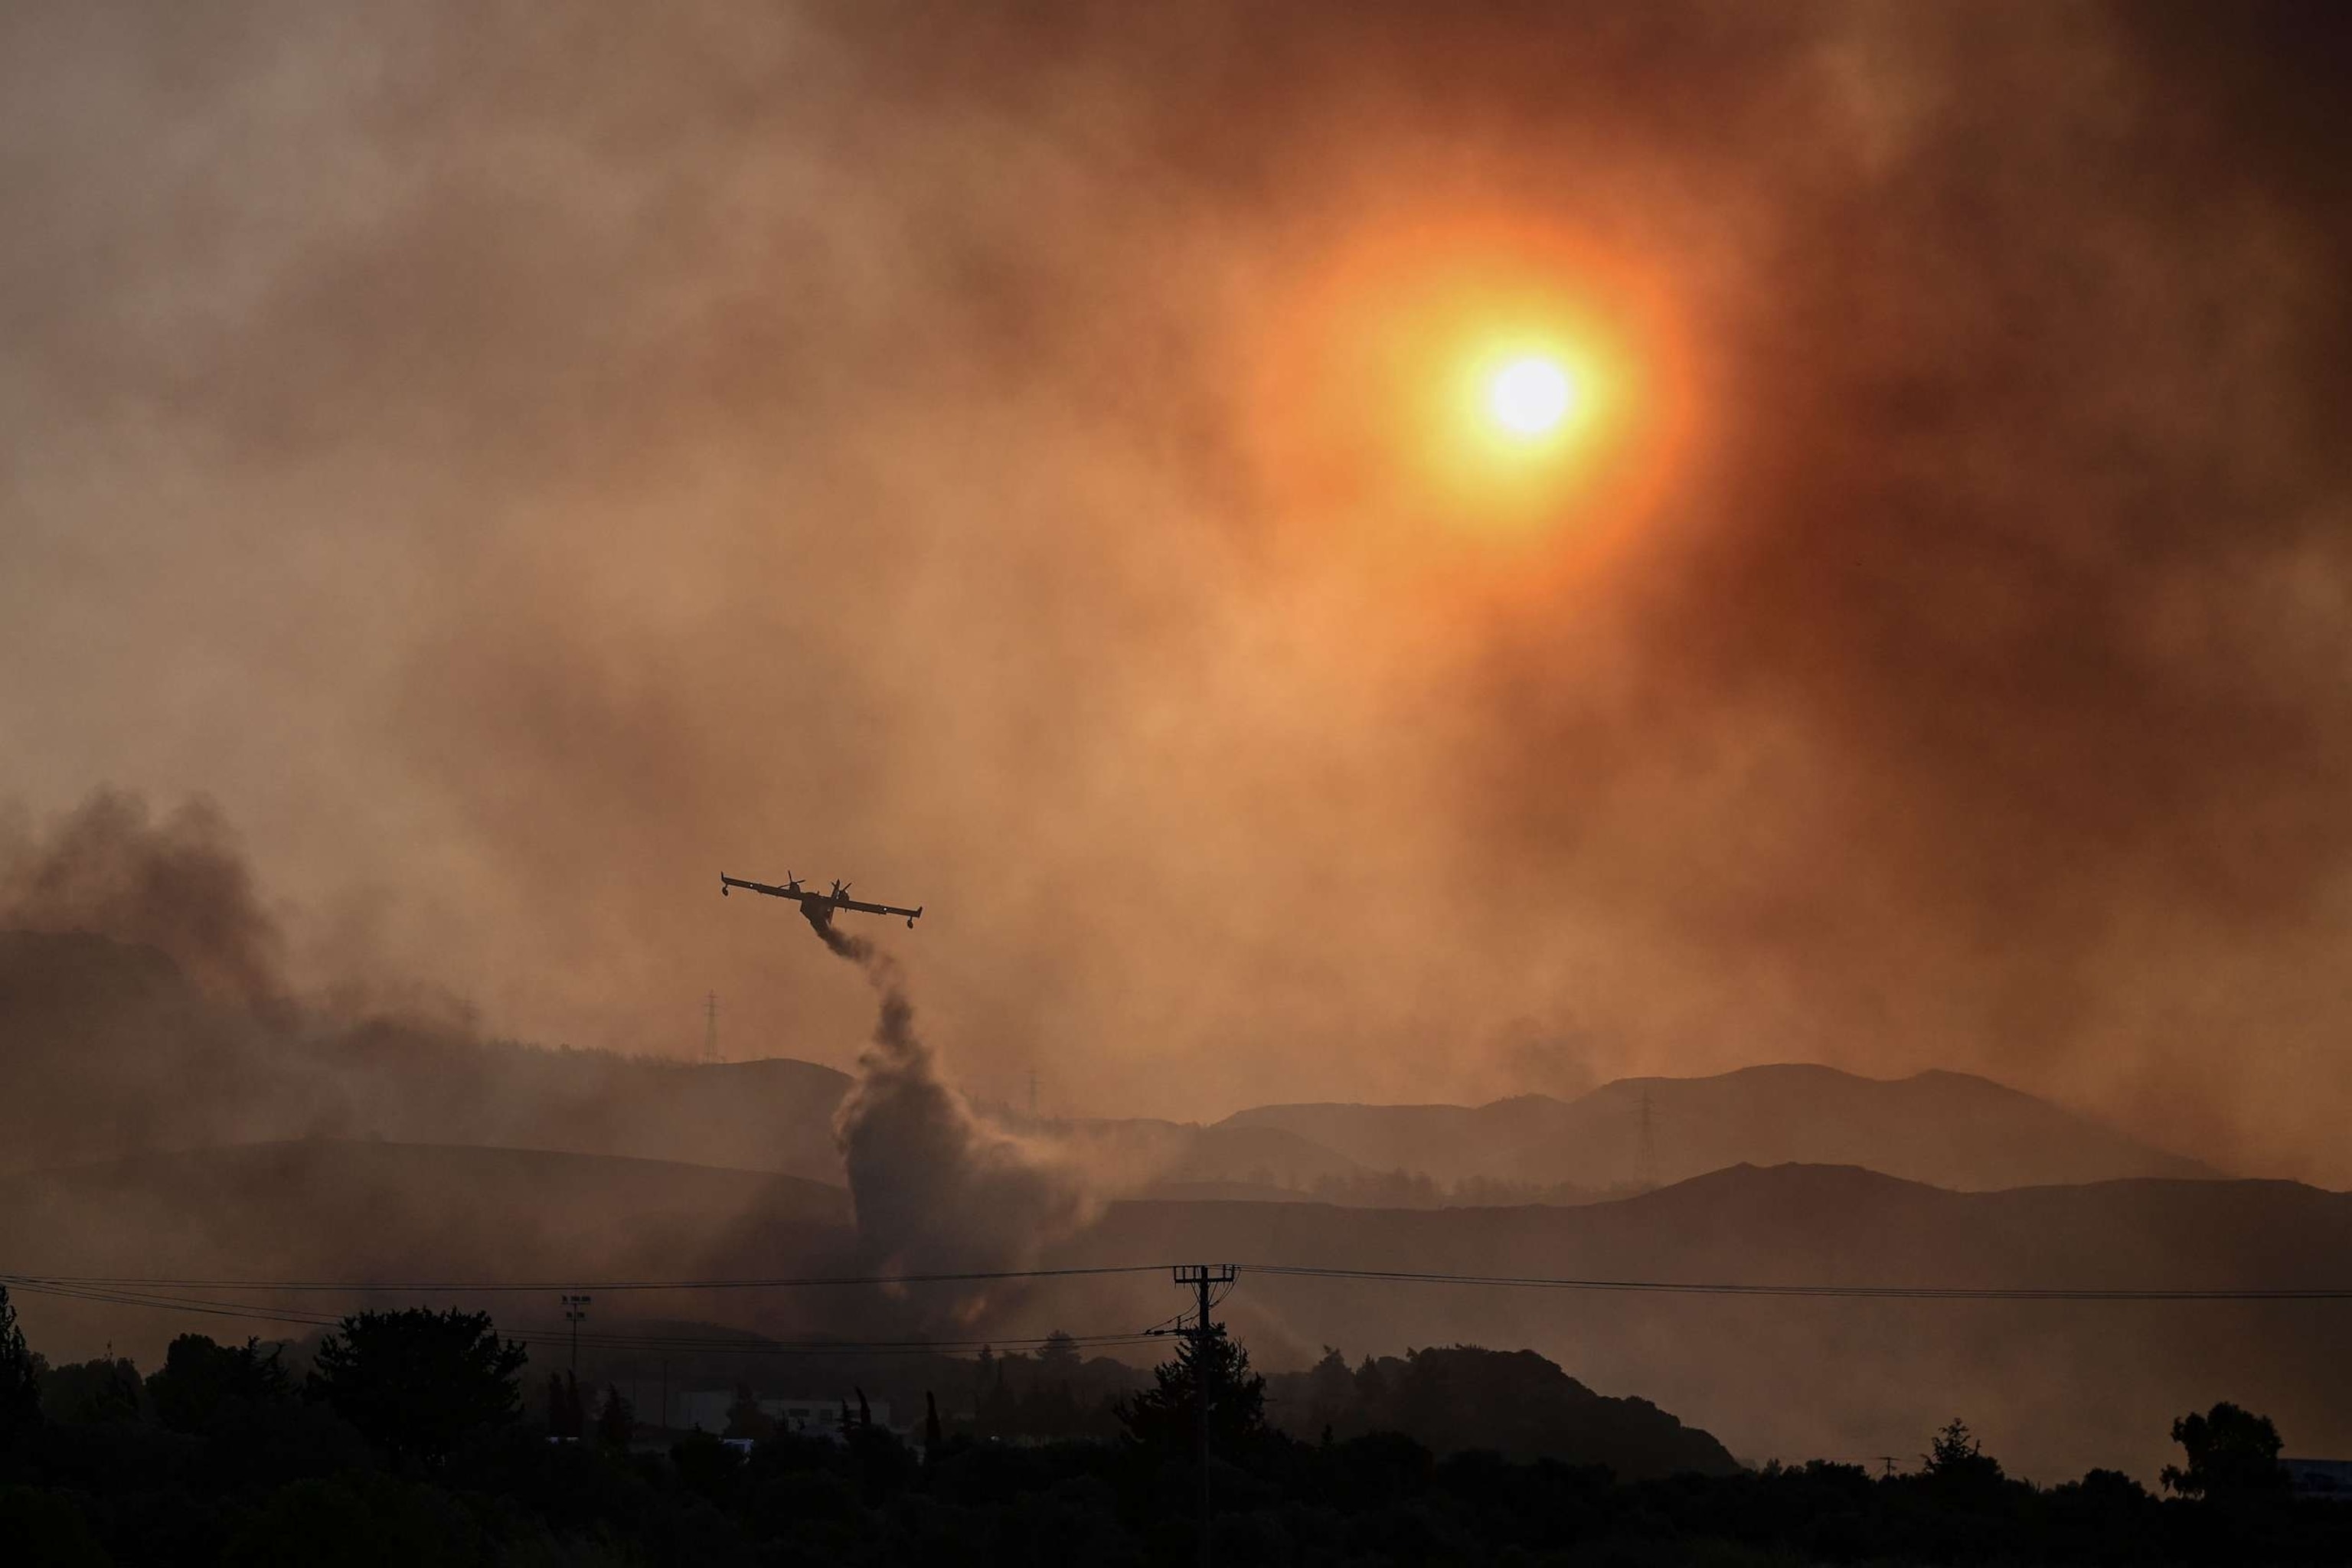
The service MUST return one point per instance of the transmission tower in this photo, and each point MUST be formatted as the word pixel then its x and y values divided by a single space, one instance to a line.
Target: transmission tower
pixel 1645 1147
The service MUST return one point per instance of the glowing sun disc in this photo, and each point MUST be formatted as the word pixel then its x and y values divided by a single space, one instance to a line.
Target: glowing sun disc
pixel 1529 396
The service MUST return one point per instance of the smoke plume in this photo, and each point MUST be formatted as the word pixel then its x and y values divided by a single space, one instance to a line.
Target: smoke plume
pixel 935 1187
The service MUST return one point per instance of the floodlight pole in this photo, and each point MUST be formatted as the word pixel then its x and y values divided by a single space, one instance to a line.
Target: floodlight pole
pixel 575 1308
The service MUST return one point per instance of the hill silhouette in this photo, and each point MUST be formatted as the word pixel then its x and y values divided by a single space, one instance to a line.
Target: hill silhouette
pixel 1951 1130
pixel 1513 1403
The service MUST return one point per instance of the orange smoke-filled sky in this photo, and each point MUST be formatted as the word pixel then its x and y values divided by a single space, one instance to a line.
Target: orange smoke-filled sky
pixel 520 464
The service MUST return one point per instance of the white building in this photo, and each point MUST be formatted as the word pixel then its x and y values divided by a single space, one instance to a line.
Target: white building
pixel 2330 1479
pixel 705 1409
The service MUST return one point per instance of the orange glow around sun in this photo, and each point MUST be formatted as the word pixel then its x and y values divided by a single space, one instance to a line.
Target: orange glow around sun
pixel 1476 383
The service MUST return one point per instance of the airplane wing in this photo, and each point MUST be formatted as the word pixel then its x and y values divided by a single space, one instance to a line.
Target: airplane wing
pixel 726 881
pixel 876 908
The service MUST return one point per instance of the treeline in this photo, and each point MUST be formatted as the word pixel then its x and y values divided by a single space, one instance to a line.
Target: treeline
pixel 407 1441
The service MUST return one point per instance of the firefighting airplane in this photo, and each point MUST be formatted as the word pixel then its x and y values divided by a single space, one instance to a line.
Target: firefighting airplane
pixel 819 907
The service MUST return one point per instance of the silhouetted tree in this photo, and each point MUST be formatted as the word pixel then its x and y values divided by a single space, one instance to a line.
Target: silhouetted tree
pixel 84 1391
pixel 566 1417
pixel 616 1422
pixel 1957 1461
pixel 707 1466
pixel 417 1383
pixel 1165 1418
pixel 20 1375
pixel 1330 1389
pixel 2233 1456
pixel 931 1438
pixel 1372 1391
pixel 995 1413
pixel 204 1386
pixel 1059 1358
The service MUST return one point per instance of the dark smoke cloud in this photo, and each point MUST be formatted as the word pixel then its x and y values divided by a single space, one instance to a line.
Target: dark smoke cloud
pixel 520 467
pixel 180 885
pixel 935 1187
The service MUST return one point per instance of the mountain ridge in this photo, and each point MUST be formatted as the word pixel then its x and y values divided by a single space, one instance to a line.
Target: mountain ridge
pixel 1953 1128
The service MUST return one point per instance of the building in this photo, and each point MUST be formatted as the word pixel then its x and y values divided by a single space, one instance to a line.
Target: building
pixel 705 1409
pixel 2326 1478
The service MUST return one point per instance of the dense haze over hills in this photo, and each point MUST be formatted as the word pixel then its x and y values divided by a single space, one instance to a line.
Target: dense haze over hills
pixel 2056 1387
pixel 419 1153
pixel 157 1146
pixel 127 1056
pixel 175 1133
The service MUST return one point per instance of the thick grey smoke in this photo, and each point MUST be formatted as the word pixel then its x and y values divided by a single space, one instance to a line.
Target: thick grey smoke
pixel 142 1006
pixel 935 1187
pixel 430 432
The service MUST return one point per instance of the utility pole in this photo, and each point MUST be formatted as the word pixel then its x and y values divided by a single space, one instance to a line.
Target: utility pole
pixel 710 1028
pixel 1203 1278
pixel 1888 1460
pixel 575 1312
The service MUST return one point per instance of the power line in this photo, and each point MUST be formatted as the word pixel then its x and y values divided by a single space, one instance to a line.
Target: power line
pixel 542 1286
pixel 1866 1292
pixel 611 1340
pixel 1292 1270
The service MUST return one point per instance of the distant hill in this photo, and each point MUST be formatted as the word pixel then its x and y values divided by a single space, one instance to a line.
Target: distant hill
pixel 1140 1154
pixel 1950 1129
pixel 770 1115
pixel 1513 1403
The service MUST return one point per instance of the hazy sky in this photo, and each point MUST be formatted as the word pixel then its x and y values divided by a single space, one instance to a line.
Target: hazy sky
pixel 518 462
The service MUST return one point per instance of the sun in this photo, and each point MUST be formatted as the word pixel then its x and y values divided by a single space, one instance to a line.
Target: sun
pixel 1530 397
